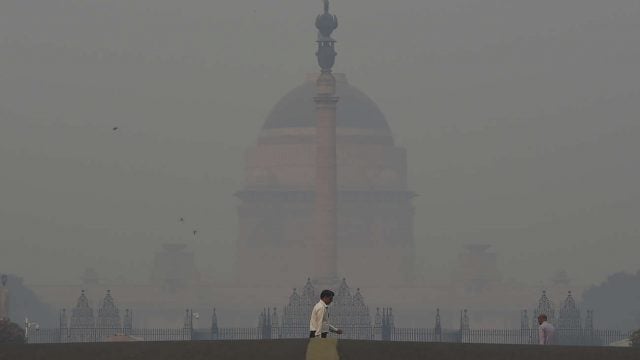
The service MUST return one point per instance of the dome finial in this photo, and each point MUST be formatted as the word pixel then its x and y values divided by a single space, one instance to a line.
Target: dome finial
pixel 326 24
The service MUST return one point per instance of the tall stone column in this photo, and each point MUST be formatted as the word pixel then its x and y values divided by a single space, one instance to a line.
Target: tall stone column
pixel 4 298
pixel 326 249
pixel 326 246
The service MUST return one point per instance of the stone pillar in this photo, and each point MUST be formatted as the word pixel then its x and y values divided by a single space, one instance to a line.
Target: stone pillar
pixel 4 299
pixel 326 246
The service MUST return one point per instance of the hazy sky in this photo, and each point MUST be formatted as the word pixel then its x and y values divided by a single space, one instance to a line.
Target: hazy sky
pixel 521 120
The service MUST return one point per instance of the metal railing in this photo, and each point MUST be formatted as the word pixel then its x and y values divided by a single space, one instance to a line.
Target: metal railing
pixel 90 335
pixel 580 337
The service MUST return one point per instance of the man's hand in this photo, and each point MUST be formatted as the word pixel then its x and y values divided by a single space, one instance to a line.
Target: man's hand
pixel 339 331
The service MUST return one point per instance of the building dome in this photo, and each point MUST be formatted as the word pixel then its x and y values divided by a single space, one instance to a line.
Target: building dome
pixel 355 109
pixel 277 225
pixel 285 154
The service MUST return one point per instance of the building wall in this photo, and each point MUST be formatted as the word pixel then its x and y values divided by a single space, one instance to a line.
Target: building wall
pixel 360 166
pixel 276 210
pixel 375 238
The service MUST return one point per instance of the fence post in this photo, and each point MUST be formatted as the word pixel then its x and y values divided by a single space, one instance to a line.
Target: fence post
pixel 387 324
pixel 438 327
pixel 267 325
pixel 214 326
pixel 377 325
pixel 62 325
pixel 128 322
pixel 588 327
pixel 275 325
pixel 464 325
pixel 264 324
pixel 188 324
pixel 524 328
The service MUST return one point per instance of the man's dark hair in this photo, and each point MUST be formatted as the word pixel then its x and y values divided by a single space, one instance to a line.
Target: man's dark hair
pixel 326 293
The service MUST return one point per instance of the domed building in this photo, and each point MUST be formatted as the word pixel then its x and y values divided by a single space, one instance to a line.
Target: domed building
pixel 374 211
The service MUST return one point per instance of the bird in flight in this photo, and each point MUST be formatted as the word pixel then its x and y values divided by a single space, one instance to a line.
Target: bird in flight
pixel 181 219
pixel 115 128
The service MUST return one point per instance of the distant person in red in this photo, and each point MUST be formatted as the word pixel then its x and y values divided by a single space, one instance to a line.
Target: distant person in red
pixel 545 331
pixel 319 323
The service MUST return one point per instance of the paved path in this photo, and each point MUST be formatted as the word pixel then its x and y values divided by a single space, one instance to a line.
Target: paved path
pixel 315 349
pixel 322 349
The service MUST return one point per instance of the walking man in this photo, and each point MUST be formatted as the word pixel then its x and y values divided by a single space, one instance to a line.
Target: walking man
pixel 545 331
pixel 319 324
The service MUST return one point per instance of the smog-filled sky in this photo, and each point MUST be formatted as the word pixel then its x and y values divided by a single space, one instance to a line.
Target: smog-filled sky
pixel 520 118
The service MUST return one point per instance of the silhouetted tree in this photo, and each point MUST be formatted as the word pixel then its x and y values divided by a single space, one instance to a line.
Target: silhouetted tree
pixel 25 303
pixel 635 338
pixel 615 301
pixel 11 333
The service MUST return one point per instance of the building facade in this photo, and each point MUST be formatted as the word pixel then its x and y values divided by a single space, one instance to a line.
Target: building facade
pixel 276 211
